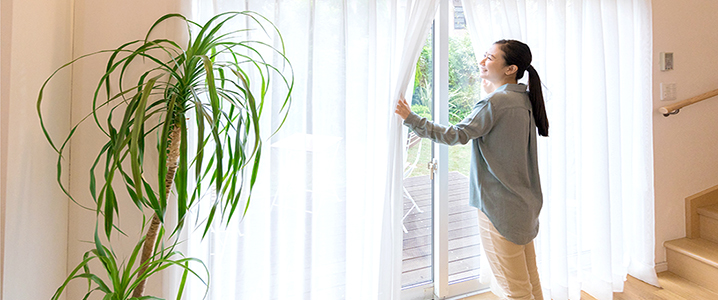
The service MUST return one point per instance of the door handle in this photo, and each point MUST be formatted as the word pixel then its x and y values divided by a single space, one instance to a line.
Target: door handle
pixel 433 165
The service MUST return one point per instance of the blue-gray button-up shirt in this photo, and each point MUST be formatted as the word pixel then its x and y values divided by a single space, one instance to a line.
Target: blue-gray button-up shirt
pixel 504 177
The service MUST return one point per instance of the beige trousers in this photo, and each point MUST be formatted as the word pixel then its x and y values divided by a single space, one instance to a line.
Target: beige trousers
pixel 514 266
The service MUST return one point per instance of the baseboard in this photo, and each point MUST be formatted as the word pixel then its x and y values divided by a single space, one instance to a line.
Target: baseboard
pixel 662 267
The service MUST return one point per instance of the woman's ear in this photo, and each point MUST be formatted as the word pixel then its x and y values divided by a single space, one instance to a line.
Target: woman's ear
pixel 512 69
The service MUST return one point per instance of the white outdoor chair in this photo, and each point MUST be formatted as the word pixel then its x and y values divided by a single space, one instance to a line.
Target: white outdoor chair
pixel 411 141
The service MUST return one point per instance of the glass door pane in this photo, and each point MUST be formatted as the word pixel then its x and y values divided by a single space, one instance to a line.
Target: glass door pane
pixel 417 221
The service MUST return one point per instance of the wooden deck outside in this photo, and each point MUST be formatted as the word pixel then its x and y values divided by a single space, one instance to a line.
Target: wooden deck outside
pixel 464 241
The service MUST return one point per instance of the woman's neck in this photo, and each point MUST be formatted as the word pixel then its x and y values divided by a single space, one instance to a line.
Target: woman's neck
pixel 490 87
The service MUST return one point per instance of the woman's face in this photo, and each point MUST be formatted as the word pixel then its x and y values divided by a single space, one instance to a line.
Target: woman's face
pixel 493 67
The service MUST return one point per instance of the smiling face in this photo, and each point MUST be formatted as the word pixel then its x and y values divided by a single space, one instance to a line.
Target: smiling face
pixel 493 67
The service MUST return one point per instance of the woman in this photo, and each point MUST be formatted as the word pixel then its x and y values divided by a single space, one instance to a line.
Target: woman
pixel 504 178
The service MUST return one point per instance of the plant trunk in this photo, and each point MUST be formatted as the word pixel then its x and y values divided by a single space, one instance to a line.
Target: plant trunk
pixel 149 243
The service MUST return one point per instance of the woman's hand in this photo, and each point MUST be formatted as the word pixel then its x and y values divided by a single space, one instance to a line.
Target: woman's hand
pixel 402 108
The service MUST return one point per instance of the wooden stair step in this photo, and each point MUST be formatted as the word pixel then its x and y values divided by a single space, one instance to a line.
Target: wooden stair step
pixel 698 249
pixel 708 222
pixel 695 260
pixel 710 211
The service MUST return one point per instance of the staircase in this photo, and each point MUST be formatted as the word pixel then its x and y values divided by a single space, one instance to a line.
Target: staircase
pixel 695 257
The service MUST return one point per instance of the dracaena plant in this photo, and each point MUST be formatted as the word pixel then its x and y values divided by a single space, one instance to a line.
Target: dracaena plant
pixel 215 83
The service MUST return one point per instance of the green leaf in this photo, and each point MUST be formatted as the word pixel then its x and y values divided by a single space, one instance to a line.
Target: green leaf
pixel 216 111
pixel 210 217
pixel 135 158
pixel 110 208
pixel 101 284
pixel 81 265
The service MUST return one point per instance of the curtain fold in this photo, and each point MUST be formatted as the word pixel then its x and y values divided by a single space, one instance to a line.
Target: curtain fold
pixel 594 59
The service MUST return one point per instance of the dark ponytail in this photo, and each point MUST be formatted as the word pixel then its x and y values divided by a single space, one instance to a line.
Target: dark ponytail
pixel 537 103
pixel 519 54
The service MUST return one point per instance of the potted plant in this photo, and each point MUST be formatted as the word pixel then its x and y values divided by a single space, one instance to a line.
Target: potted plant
pixel 215 82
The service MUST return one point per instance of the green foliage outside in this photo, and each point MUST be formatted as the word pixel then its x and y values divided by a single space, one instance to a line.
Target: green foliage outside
pixel 422 111
pixel 464 92
pixel 464 81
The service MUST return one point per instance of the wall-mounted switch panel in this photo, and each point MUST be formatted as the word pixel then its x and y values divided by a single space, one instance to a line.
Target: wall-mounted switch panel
pixel 666 59
pixel 668 91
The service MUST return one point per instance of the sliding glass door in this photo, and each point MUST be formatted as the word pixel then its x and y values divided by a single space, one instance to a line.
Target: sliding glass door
pixel 441 245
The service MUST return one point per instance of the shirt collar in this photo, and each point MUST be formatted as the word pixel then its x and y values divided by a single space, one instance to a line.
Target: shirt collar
pixel 521 88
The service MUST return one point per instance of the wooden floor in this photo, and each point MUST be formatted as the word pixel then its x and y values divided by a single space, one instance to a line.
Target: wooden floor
pixel 464 239
pixel 672 288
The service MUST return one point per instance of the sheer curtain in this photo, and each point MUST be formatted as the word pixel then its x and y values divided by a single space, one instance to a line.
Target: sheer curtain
pixel 323 219
pixel 594 58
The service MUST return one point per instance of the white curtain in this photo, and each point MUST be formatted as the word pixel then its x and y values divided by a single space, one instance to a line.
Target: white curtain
pixel 413 31
pixel 594 58
pixel 323 219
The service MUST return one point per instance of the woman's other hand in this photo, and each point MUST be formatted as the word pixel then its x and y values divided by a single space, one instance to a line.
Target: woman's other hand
pixel 402 108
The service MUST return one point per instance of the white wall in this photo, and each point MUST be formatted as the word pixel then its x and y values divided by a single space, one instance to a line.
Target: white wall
pixel 35 224
pixel 5 34
pixel 685 145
